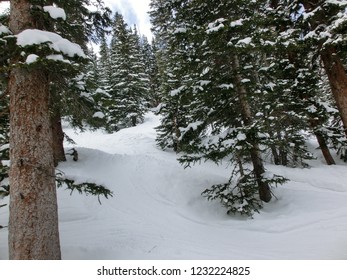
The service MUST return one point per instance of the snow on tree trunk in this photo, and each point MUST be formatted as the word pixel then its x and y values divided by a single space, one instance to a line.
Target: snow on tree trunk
pixel 338 81
pixel 33 223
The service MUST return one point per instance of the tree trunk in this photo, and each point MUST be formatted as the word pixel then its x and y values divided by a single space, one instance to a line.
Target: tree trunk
pixel 258 167
pixel 58 138
pixel 33 222
pixel 322 142
pixel 338 81
pixel 133 120
pixel 324 148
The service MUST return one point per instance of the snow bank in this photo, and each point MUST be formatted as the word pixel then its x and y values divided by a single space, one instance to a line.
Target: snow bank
pixel 157 211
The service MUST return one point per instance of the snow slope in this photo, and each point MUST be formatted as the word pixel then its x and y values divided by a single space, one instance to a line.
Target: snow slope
pixel 157 211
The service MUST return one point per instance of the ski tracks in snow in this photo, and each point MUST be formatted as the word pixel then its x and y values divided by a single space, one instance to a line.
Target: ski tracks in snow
pixel 157 211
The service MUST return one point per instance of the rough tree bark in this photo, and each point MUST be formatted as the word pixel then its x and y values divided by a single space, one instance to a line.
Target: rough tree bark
pixel 258 166
pixel 33 224
pixel 58 138
pixel 337 76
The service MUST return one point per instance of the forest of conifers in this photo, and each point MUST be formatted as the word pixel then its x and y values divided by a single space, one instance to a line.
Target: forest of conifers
pixel 246 81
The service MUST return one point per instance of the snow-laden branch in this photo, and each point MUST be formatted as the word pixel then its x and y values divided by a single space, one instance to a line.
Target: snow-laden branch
pixel 56 42
pixel 55 12
pixel 4 30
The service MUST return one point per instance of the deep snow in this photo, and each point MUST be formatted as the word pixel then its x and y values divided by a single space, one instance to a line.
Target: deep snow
pixel 157 211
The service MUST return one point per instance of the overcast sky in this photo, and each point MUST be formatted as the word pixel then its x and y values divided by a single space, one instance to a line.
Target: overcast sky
pixel 134 12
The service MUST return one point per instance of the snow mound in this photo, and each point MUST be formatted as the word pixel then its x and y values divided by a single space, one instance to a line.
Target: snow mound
pixel 157 211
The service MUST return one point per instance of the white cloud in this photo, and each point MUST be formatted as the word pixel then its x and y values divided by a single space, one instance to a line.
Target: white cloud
pixel 134 12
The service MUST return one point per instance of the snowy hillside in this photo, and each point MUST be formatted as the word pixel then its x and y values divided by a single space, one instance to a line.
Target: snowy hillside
pixel 157 211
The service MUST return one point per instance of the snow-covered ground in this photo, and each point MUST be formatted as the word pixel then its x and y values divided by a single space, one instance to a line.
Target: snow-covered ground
pixel 157 211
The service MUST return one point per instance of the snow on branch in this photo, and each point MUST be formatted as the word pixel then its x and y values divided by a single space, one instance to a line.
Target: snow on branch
pixel 57 43
pixel 4 30
pixel 215 26
pixel 55 12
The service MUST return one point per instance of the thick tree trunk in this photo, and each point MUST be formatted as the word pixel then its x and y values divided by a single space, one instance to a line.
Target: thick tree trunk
pixel 33 223
pixel 58 139
pixel 338 81
pixel 258 167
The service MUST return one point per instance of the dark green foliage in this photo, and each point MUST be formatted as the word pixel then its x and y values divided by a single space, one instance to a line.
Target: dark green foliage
pixel 124 88
pixel 240 194
pixel 72 85
pixel 238 82
pixel 85 187
pixel 151 68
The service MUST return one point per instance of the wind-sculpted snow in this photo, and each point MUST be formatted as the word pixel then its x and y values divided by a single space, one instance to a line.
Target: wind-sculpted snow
pixel 157 211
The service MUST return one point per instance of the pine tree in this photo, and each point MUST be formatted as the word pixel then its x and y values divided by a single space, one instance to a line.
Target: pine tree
pixel 119 67
pixel 310 108
pixel 219 49
pixel 33 225
pixel 128 81
pixel 323 25
pixel 46 70
pixel 104 62
pixel 73 98
pixel 139 86
pixel 150 64
pixel 171 56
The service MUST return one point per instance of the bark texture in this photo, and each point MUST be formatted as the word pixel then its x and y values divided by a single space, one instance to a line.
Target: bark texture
pixel 58 139
pixel 33 224
pixel 338 81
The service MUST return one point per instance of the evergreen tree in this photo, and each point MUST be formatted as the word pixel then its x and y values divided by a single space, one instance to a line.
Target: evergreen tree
pixel 171 56
pixel 39 67
pixel 323 25
pixel 253 55
pixel 104 63
pixel 218 44
pixel 33 205
pixel 129 82
pixel 139 85
pixel 310 107
pixel 74 93
pixel 151 67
